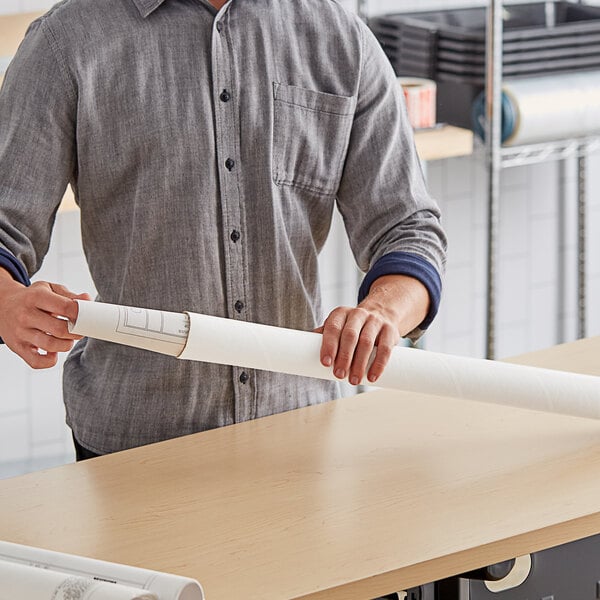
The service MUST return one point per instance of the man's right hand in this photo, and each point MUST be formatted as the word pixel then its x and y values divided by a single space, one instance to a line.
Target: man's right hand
pixel 29 323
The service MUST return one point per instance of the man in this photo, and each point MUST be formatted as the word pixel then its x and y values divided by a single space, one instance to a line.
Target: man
pixel 207 143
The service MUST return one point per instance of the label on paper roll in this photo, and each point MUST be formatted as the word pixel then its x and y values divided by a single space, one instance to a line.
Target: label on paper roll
pixel 420 96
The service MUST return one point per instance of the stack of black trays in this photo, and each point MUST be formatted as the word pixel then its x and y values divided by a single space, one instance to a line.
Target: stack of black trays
pixel 449 47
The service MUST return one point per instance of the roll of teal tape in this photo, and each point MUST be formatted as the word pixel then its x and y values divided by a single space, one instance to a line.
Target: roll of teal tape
pixel 509 116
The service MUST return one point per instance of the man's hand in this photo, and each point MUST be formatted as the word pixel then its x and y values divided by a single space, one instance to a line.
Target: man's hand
pixel 29 323
pixel 396 304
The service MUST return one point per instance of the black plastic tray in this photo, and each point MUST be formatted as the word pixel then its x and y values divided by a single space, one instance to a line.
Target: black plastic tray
pixel 521 69
pixel 451 43
pixel 477 60
pixel 449 47
pixel 522 46
pixel 521 22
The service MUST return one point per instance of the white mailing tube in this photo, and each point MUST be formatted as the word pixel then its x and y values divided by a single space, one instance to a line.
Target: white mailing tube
pixel 33 583
pixel 254 346
pixel 35 571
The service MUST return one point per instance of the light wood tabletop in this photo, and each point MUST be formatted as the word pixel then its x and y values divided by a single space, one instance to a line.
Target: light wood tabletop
pixel 444 141
pixel 12 31
pixel 346 500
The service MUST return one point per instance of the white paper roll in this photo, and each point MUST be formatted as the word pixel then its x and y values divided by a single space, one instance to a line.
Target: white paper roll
pixel 55 567
pixel 420 96
pixel 156 330
pixel 555 107
pixel 541 109
pixel 254 346
pixel 33 583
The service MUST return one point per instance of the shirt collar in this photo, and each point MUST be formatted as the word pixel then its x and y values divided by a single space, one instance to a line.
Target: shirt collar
pixel 147 6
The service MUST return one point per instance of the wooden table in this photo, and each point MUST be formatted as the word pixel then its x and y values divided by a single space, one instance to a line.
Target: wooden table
pixel 348 499
pixel 12 31
pixel 444 141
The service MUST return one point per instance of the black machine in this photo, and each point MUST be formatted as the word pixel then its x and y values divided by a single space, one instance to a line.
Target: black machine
pixel 567 572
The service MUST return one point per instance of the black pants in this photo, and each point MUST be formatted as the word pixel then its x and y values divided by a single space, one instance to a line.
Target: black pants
pixel 82 453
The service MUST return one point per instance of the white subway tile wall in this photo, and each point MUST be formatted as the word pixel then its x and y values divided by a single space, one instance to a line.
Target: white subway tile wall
pixel 536 303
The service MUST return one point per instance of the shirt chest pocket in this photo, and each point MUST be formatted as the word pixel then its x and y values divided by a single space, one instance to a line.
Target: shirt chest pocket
pixel 311 131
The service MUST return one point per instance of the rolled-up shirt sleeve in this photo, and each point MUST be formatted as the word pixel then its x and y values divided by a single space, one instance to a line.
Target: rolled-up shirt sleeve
pixel 393 224
pixel 37 149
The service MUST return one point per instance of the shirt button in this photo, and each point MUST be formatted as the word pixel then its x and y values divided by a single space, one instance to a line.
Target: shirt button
pixel 244 377
pixel 225 96
pixel 235 236
pixel 239 306
pixel 219 26
pixel 229 163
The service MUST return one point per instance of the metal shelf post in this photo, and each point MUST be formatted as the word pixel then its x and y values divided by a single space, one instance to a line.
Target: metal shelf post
pixel 498 158
pixel 493 87
pixel 581 250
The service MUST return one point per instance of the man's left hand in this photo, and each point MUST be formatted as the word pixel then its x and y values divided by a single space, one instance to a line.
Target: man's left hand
pixel 395 305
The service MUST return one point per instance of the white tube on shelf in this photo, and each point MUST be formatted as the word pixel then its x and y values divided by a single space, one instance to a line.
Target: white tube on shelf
pixel 554 107
pixel 255 346
pixel 547 108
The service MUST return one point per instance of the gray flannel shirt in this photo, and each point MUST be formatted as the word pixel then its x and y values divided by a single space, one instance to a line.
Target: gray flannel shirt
pixel 206 151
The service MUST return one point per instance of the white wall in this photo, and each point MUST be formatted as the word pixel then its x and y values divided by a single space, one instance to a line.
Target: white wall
pixel 536 296
pixel 32 429
pixel 536 299
pixel 8 7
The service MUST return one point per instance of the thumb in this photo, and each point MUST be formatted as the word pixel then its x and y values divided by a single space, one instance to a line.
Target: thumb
pixel 73 310
pixel 61 290
pixel 84 296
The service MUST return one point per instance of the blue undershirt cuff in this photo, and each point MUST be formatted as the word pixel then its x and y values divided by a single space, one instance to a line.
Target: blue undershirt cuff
pixel 15 267
pixel 404 263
